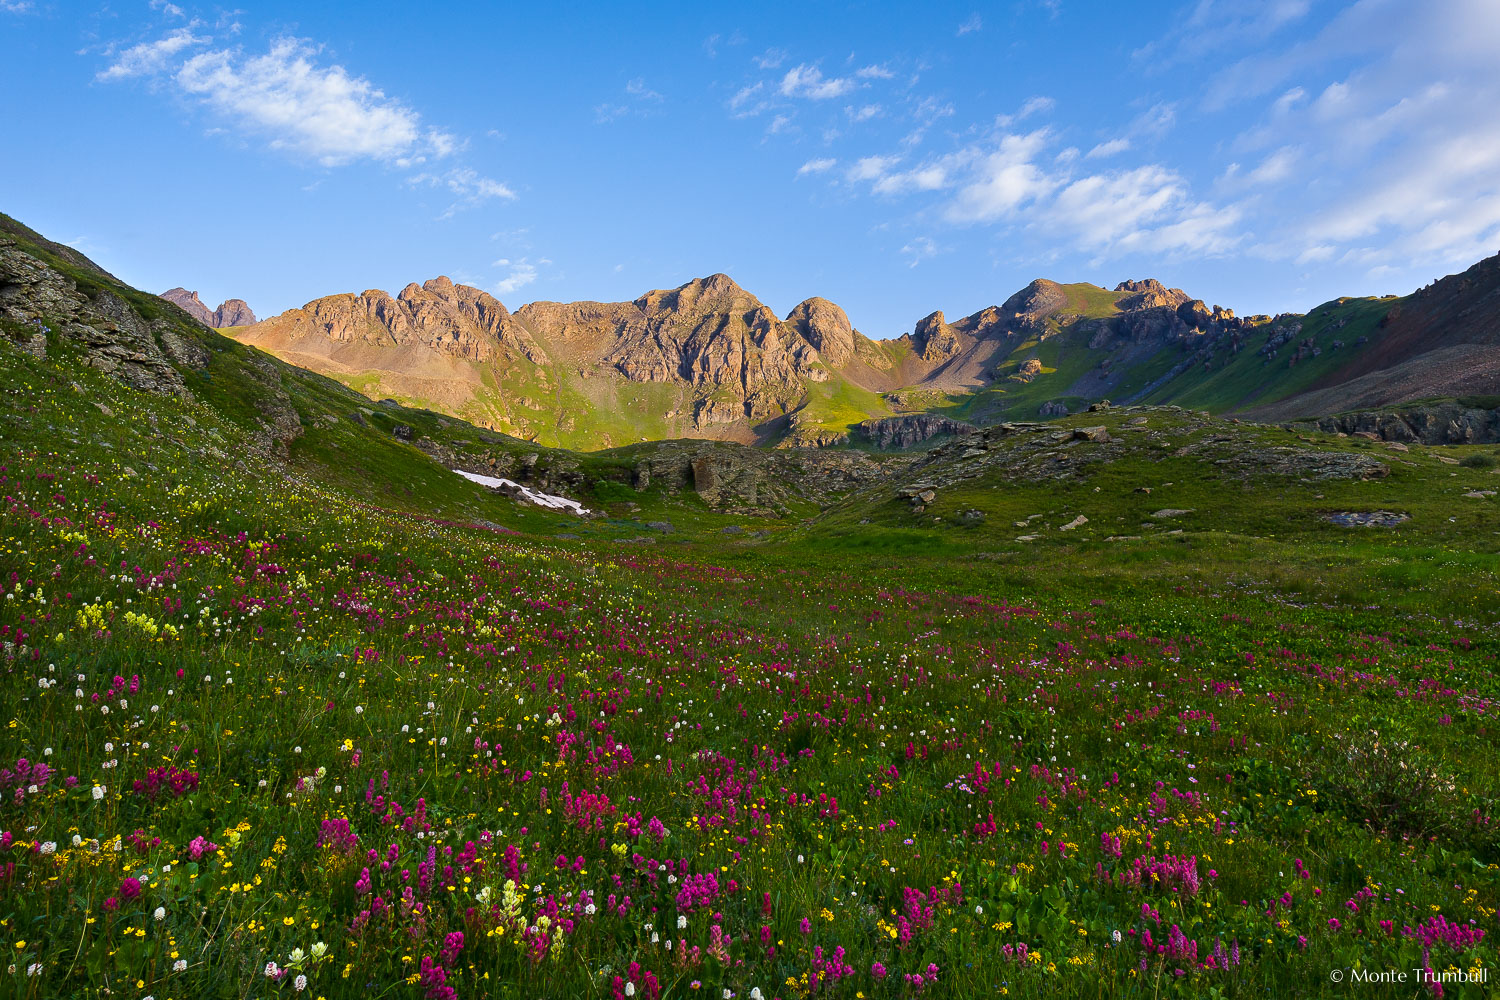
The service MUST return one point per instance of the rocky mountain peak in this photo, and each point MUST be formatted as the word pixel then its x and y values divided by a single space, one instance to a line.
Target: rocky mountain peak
pixel 232 312
pixel 717 284
pixel 826 327
pixel 1148 293
pixel 1034 303
pixel 190 304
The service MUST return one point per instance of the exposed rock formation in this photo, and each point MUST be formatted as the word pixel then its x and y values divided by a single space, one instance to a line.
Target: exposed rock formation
pixel 910 429
pixel 449 319
pixel 826 327
pixel 231 312
pixel 115 338
pixel 1441 423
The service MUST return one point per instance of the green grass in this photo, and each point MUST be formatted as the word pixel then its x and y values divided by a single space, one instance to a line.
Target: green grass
pixel 837 405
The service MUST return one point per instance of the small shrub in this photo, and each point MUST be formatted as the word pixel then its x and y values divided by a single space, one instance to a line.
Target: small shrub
pixel 1478 461
pixel 1389 785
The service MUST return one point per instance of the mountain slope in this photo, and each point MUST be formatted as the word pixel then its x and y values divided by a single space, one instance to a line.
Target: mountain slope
pixel 708 359
pixel 705 359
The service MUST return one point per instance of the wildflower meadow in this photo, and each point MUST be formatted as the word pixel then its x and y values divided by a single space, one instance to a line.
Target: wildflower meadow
pixel 264 738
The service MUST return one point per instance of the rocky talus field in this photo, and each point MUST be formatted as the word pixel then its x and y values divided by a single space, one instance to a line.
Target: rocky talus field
pixel 1148 700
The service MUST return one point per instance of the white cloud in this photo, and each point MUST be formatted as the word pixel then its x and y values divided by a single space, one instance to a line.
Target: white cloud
pixel 1213 27
pixel 779 124
pixel 1033 106
pixel 467 186
pixel 878 72
pixel 816 166
pixel 974 23
pixel 920 249
pixel 313 110
pixel 150 58
pixel 871 168
pixel 1110 148
pixel 933 177
pixel 638 88
pixel 1014 181
pixel 17 6
pixel 1274 168
pixel 1006 181
pixel 1374 154
pixel 746 102
pixel 640 99
pixel 863 113
pixel 520 273
pixel 169 9
pixel 808 81
pixel 771 58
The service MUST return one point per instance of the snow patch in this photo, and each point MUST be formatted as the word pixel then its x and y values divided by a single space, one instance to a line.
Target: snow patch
pixel 525 492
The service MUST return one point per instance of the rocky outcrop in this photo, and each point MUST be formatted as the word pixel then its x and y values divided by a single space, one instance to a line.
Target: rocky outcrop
pixel 740 479
pixel 114 338
pixel 1028 310
pixel 1441 423
pixel 909 430
pixel 231 312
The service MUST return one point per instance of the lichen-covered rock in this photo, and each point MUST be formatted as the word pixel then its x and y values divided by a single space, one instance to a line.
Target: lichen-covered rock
pixel 115 338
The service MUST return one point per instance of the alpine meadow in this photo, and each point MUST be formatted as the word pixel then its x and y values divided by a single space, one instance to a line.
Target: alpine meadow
pixel 1099 641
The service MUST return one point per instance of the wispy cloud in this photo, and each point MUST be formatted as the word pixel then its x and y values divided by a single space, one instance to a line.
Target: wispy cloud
pixel 519 274
pixel 304 107
pixel 748 101
pixel 1014 181
pixel 1110 148
pixel 150 58
pixel 920 249
pixel 639 99
pixel 974 23
pixel 1033 106
pixel 817 166
pixel 808 81
pixel 871 168
pixel 638 88
pixel 467 186
pixel 771 58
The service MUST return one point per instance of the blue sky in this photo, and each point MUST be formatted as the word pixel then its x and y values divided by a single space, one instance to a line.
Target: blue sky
pixel 1266 155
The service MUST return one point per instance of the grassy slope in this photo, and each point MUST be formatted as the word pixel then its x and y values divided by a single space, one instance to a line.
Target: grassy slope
pixel 1267 532
pixel 1063 352
pixel 837 405
pixel 1236 382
